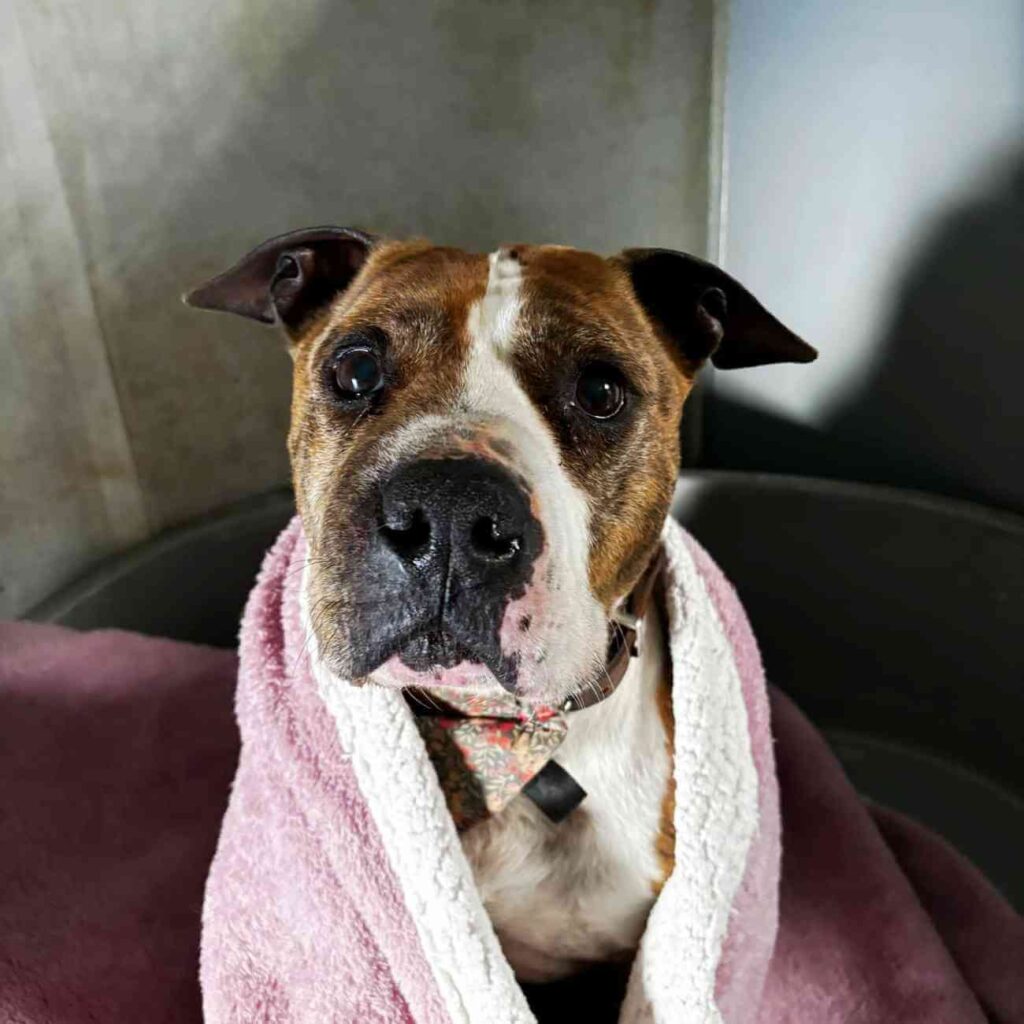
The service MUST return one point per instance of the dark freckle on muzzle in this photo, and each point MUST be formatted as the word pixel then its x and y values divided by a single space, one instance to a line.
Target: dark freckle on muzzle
pixel 454 541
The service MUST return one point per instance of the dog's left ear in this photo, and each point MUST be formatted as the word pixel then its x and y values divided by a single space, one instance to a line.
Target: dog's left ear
pixel 706 313
pixel 288 278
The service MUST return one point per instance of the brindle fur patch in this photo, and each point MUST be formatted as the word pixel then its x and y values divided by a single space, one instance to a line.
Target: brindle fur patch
pixel 417 294
pixel 581 307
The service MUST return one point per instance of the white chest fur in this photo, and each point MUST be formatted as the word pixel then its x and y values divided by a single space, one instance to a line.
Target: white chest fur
pixel 562 895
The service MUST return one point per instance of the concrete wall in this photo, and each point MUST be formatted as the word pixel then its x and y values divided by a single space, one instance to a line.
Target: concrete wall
pixel 875 201
pixel 147 144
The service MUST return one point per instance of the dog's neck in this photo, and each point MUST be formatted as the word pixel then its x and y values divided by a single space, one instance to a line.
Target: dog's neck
pixel 628 622
pixel 610 859
pixel 631 717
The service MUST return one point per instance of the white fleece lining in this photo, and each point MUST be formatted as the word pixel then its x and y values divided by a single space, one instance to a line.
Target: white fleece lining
pixel 399 783
pixel 673 978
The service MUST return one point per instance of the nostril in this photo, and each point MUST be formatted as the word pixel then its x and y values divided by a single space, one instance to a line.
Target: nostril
pixel 410 538
pixel 488 541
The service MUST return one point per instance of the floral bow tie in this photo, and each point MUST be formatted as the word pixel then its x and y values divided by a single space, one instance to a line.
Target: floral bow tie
pixel 488 749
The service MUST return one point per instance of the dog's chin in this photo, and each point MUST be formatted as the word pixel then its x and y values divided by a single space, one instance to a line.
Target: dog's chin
pixel 542 674
pixel 464 674
pixel 473 677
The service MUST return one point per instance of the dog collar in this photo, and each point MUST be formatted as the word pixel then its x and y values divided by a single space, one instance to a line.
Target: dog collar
pixel 627 626
pixel 487 749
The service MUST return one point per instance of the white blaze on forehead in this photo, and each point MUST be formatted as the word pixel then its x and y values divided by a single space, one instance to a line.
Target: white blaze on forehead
pixel 493 319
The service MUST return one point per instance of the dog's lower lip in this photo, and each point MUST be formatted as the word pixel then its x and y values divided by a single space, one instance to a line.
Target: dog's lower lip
pixel 432 650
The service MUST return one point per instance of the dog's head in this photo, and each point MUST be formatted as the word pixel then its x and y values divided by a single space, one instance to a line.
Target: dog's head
pixel 484 448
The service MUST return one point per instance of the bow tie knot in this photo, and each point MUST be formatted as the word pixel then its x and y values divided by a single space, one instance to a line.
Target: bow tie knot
pixel 485 749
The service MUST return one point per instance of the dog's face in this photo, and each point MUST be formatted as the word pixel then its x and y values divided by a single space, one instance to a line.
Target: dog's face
pixel 484 448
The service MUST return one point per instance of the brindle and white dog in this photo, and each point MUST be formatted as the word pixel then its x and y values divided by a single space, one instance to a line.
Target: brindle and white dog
pixel 484 449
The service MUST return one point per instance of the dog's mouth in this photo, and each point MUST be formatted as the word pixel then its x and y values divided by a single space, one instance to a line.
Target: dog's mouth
pixel 434 650
pixel 435 657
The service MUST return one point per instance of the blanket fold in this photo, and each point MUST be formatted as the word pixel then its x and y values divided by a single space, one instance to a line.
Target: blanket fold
pixel 339 893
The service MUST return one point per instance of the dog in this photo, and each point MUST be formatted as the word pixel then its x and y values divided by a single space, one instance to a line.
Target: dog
pixel 484 449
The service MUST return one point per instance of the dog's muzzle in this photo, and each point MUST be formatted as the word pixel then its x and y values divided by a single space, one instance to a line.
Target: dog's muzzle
pixel 455 542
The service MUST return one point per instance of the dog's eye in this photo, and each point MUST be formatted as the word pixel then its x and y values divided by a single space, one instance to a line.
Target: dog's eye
pixel 357 373
pixel 600 391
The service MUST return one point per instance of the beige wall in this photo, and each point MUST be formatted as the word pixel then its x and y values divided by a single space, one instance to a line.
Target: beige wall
pixel 145 144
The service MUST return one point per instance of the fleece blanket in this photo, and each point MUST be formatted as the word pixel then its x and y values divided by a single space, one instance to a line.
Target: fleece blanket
pixel 116 753
pixel 339 890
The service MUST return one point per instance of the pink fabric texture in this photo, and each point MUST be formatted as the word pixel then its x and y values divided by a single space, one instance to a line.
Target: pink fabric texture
pixel 982 933
pixel 857 941
pixel 303 919
pixel 116 754
pixel 751 936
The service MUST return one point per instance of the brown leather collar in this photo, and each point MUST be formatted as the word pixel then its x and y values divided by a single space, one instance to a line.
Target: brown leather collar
pixel 625 641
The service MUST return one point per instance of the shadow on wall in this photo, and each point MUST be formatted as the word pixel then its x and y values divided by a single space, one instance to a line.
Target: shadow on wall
pixel 943 408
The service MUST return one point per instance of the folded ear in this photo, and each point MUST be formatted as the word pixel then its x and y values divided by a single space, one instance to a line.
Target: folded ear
pixel 287 278
pixel 708 314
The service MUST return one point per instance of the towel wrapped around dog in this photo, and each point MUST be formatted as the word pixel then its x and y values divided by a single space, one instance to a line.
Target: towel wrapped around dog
pixel 339 890
pixel 116 752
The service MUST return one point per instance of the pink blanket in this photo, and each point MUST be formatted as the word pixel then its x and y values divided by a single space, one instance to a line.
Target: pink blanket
pixel 116 753
pixel 115 757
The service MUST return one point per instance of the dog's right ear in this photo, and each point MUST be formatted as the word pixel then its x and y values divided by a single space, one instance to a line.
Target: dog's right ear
pixel 288 278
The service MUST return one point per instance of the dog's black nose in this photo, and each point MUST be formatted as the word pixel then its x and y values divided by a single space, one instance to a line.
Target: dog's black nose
pixel 454 543
pixel 461 521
